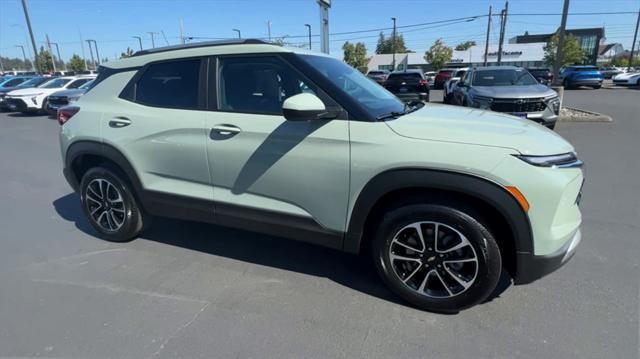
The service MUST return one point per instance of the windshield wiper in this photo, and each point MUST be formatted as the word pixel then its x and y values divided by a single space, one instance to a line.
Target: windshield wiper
pixel 391 115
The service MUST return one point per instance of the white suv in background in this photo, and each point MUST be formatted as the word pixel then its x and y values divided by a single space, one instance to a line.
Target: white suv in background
pixel 34 99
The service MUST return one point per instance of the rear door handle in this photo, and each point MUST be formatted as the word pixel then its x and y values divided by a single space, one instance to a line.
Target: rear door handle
pixel 226 130
pixel 118 122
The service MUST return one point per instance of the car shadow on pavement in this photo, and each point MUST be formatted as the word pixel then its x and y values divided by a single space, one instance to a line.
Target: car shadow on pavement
pixel 353 271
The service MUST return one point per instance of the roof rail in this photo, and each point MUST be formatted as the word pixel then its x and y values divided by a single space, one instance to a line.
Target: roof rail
pixel 199 44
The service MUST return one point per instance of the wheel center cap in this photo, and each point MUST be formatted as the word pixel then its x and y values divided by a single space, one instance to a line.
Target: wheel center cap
pixel 431 259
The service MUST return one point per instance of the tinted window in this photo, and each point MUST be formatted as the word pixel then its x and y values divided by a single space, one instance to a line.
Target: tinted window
pixel 77 83
pixel 33 82
pixel 12 82
pixel 170 84
pixel 409 76
pixel 585 68
pixel 257 84
pixel 503 78
pixel 460 74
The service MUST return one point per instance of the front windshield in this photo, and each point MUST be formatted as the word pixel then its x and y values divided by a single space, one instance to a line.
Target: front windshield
pixel 503 77
pixel 31 83
pixel 86 86
pixel 373 97
pixel 55 83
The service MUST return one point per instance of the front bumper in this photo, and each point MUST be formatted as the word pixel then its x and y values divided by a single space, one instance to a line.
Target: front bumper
pixel 20 104
pixel 586 82
pixel 413 96
pixel 531 267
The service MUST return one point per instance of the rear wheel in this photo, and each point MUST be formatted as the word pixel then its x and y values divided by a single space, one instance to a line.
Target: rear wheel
pixel 109 204
pixel 596 87
pixel 436 257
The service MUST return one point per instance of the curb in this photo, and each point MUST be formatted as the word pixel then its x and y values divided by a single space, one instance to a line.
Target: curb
pixel 591 116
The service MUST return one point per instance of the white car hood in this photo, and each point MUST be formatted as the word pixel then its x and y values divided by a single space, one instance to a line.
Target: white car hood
pixel 473 126
pixel 33 91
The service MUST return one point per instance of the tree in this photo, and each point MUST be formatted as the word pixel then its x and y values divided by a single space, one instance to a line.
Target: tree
pixel 127 53
pixel 355 55
pixel 465 45
pixel 439 54
pixel 572 52
pixel 76 63
pixel 385 45
pixel 44 61
pixel 15 63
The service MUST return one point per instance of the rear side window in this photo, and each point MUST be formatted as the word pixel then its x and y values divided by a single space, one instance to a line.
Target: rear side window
pixel 12 82
pixel 169 84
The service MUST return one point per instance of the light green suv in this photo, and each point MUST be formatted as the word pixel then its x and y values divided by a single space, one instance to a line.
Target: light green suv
pixel 298 144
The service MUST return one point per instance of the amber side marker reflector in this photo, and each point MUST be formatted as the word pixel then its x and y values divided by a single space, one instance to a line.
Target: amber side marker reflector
pixel 519 197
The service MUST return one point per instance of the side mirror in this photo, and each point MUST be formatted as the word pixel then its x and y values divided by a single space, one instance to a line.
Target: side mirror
pixel 303 107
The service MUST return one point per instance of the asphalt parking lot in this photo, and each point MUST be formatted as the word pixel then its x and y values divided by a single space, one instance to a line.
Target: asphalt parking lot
pixel 191 290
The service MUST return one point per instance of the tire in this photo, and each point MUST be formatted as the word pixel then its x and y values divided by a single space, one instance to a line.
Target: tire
pixel 421 280
pixel 596 87
pixel 122 220
pixel 552 126
pixel 447 99
pixel 44 111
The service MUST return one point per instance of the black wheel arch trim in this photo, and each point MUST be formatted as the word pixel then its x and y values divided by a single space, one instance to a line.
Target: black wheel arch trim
pixel 405 178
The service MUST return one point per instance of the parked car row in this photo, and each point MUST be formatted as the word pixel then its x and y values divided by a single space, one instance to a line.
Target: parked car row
pixel 41 94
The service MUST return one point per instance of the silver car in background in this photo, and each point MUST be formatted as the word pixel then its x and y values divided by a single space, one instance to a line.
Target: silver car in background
pixel 508 89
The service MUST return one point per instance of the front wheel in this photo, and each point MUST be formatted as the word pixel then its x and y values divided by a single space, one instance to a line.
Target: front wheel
pixel 109 204
pixel 596 87
pixel 436 257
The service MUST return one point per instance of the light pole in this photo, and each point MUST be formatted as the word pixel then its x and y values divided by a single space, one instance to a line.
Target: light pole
pixel 93 62
pixel 24 56
pixel 26 41
pixel 33 40
pixel 64 66
pixel 393 45
pixel 139 41
pixel 633 44
pixel 309 27
pixel 153 42
pixel 238 31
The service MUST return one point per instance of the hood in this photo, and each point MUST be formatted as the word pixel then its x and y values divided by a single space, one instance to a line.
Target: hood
pixel 626 76
pixel 69 93
pixel 26 92
pixel 514 91
pixel 4 90
pixel 473 126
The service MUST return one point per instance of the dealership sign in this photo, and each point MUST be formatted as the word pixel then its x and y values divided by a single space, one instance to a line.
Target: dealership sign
pixel 506 53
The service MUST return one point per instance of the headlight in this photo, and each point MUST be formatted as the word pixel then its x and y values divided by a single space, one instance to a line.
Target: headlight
pixel 563 160
pixel 481 102
pixel 554 103
pixel 73 99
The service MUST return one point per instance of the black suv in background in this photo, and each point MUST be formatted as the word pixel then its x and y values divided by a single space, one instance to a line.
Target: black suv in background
pixel 542 74
pixel 409 85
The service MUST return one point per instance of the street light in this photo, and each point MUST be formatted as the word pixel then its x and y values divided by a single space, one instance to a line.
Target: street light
pixel 24 32
pixel 96 46
pixel 153 42
pixel 238 31
pixel 139 41
pixel 309 27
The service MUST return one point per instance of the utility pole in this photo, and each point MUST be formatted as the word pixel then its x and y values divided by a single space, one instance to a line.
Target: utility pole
pixel 269 29
pixel 503 26
pixel 238 31
pixel 93 62
pixel 560 50
pixel 84 56
pixel 1 65
pixel 393 45
pixel 53 59
pixel 486 43
pixel 153 42
pixel 164 37
pixel 181 32
pixel 140 40
pixel 24 56
pixel 633 45
pixel 309 27
pixel 324 25
pixel 33 40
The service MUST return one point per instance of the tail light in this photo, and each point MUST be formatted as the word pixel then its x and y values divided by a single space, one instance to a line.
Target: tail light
pixel 423 83
pixel 65 113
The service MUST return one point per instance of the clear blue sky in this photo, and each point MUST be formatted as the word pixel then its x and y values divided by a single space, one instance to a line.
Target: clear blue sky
pixel 113 22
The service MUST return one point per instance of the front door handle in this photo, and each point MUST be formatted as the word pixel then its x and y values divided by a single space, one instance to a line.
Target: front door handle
pixel 118 122
pixel 226 130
